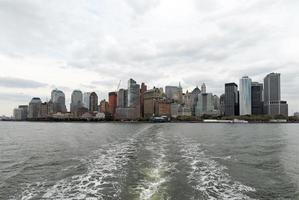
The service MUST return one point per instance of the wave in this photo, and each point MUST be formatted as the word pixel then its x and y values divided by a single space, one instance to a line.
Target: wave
pixel 105 173
pixel 209 177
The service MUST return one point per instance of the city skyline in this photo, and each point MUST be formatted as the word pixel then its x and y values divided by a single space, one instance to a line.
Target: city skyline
pixel 67 100
pixel 92 45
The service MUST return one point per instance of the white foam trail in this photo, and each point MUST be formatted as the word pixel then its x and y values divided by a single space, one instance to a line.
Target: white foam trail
pixel 156 178
pixel 106 168
pixel 209 177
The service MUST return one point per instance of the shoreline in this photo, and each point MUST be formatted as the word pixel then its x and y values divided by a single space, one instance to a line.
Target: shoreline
pixel 150 122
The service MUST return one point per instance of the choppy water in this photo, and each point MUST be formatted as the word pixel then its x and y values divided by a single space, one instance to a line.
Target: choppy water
pixel 148 161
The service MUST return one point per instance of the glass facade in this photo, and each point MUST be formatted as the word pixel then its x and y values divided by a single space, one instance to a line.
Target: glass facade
pixel 245 96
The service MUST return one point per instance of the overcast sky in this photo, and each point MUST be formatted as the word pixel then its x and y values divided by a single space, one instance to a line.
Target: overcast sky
pixel 92 44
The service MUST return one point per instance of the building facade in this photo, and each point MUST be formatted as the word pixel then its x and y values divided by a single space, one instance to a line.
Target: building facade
pixel 205 104
pixel 257 103
pixel 76 100
pixel 143 89
pixel 86 97
pixel 93 102
pixel 272 96
pixel 245 96
pixel 174 93
pixel 58 99
pixel 231 99
pixel 112 102
pixel 34 108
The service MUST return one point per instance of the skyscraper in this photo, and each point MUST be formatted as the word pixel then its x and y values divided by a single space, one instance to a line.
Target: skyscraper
pixel 142 91
pixel 205 104
pixel 257 98
pixel 34 108
pixel 231 99
pixel 272 96
pixel 58 99
pixel 203 88
pixel 194 98
pixel 174 93
pixel 112 102
pixel 86 97
pixel 245 96
pixel 122 96
pixel 133 93
pixel 133 99
pixel 93 102
pixel 76 100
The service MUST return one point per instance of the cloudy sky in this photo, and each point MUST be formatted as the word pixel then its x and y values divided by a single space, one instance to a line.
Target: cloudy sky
pixel 92 44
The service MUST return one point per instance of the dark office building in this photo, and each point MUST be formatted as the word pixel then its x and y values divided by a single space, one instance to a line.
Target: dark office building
pixel 257 103
pixel 93 102
pixel 272 96
pixel 231 99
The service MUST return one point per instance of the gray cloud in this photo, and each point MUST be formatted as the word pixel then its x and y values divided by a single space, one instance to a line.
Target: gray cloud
pixel 11 82
pixel 15 97
pixel 156 41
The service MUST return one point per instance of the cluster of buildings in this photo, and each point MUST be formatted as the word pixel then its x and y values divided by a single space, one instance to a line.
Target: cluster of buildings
pixel 138 102
pixel 254 98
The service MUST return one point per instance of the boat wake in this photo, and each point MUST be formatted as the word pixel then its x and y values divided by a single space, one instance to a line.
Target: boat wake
pixel 209 178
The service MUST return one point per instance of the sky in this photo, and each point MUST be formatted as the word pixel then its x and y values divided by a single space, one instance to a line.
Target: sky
pixel 91 45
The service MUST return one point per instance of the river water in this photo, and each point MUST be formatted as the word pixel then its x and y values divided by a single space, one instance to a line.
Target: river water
pixel 148 161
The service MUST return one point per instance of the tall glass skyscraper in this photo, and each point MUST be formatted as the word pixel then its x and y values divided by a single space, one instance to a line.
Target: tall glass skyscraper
pixel 231 99
pixel 245 96
pixel 76 100
pixel 58 98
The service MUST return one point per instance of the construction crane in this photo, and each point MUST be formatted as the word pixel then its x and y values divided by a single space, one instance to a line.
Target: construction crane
pixel 118 86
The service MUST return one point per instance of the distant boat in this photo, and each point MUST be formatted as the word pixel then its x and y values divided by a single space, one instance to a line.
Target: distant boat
pixel 160 119
pixel 238 121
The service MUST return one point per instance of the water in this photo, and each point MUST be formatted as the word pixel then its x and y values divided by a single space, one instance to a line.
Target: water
pixel 148 161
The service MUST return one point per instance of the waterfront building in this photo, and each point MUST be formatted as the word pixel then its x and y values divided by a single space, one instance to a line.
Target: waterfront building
pixel 50 108
pixel 24 111
pixel 205 105
pixel 133 93
pixel 104 106
pixel 76 100
pixel 296 114
pixel 43 113
pixel 58 99
pixel 93 102
pixel 128 102
pixel 150 98
pixel 34 108
pixel 112 102
pixel 122 98
pixel 216 102
pixel 174 93
pixel 162 108
pixel 122 104
pixel 245 96
pixel 257 103
pixel 222 105
pixel 187 99
pixel 86 98
pixel 17 114
pixel 231 99
pixel 194 98
pixel 185 111
pixel 143 89
pixel 134 99
pixel 272 96
pixel 174 109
